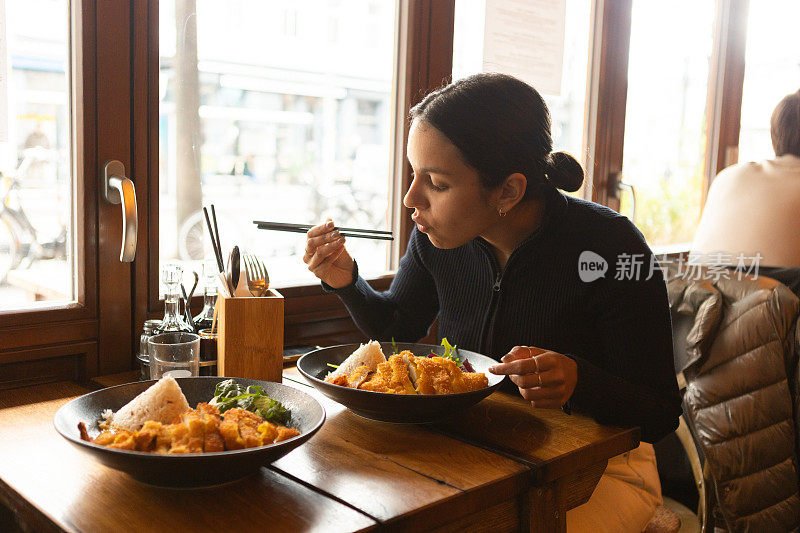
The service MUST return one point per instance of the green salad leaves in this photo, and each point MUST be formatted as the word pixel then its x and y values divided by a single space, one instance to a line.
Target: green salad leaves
pixel 229 394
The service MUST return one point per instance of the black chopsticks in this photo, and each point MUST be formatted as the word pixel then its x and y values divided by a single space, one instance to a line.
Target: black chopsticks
pixel 345 232
pixel 213 234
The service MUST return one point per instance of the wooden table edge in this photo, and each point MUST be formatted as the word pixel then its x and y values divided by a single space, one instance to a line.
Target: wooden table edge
pixel 29 513
pixel 547 471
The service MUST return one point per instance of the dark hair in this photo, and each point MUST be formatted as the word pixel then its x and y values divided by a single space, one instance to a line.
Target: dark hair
pixel 501 125
pixel 784 126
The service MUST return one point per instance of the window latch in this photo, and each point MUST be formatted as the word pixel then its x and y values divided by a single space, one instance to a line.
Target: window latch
pixel 117 189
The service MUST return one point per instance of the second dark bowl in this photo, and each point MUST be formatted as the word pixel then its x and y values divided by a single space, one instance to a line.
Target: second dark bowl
pixel 400 408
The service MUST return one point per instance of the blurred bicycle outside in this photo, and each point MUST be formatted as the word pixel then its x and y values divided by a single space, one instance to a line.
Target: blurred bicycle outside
pixel 20 244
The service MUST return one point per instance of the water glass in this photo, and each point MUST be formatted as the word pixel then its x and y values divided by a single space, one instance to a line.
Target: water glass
pixel 175 354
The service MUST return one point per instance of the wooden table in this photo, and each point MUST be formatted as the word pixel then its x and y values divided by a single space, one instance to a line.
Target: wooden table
pixel 499 466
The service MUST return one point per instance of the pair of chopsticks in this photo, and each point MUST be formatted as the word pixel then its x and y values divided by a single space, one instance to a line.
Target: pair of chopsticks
pixel 345 232
pixel 213 234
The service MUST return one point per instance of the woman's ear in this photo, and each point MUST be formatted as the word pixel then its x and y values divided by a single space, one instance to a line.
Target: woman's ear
pixel 512 191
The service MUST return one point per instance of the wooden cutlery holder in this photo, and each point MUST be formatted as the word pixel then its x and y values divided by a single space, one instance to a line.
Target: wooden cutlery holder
pixel 250 341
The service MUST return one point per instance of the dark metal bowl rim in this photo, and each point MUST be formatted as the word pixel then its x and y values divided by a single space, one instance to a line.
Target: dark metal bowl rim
pixel 175 456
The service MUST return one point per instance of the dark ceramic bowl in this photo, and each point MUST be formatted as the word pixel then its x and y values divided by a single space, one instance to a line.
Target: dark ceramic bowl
pixel 401 408
pixel 193 469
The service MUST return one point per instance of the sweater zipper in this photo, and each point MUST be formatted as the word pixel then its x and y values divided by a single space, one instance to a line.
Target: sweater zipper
pixel 491 314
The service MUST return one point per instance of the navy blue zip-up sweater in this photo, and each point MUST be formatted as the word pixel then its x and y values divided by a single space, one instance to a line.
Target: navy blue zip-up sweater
pixel 617 330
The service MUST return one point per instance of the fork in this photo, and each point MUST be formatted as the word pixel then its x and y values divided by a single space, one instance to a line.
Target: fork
pixel 256 273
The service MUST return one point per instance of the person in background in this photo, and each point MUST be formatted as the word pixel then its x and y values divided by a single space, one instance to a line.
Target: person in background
pixel 37 138
pixel 509 265
pixel 36 150
pixel 753 209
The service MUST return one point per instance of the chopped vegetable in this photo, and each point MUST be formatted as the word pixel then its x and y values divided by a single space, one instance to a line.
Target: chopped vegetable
pixel 229 394
pixel 450 352
pixel 394 347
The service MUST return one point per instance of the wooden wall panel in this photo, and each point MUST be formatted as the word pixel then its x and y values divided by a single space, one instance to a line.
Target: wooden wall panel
pixel 64 362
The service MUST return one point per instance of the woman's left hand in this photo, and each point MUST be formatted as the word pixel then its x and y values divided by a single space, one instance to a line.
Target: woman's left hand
pixel 546 379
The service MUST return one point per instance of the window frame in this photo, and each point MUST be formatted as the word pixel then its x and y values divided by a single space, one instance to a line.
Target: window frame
pixel 92 335
pixel 725 94
pixel 80 341
pixel 423 62
pixel 724 97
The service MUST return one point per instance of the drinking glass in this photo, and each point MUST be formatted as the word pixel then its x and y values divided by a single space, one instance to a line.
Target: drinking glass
pixel 175 354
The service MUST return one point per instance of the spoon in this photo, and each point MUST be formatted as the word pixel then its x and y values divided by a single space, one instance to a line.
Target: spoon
pixel 232 275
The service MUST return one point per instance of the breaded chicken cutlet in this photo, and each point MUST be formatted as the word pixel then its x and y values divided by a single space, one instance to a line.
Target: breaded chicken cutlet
pixel 405 373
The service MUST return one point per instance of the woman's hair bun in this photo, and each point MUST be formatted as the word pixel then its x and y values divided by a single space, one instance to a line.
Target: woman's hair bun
pixel 565 172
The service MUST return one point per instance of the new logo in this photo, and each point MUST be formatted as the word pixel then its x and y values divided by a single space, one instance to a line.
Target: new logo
pixel 591 266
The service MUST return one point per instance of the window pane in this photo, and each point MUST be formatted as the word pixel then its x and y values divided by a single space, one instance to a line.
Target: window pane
pixel 281 112
pixel 36 234
pixel 566 109
pixel 665 117
pixel 772 70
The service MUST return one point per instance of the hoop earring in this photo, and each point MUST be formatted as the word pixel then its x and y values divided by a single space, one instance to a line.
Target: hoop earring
pixel 502 213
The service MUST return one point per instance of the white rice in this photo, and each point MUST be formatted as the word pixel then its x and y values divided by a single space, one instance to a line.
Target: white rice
pixel 369 355
pixel 162 402
pixel 108 418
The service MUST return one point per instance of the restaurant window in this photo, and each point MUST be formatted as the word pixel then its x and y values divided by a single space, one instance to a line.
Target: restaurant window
pixel 289 120
pixel 772 70
pixel 37 260
pixel 567 104
pixel 665 139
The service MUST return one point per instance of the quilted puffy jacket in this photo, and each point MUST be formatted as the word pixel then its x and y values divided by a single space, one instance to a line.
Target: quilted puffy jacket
pixel 742 397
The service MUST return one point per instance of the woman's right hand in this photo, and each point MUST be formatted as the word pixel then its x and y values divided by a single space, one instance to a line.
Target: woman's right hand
pixel 327 257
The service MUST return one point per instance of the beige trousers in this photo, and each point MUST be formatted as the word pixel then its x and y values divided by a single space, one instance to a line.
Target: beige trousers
pixel 625 498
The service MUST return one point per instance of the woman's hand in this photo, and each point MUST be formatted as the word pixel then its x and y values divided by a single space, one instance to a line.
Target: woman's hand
pixel 546 379
pixel 327 257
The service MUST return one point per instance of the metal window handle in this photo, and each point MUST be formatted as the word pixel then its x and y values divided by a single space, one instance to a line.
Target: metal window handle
pixel 616 186
pixel 628 187
pixel 117 189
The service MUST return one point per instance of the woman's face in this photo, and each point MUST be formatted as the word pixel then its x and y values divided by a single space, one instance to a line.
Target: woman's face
pixel 450 206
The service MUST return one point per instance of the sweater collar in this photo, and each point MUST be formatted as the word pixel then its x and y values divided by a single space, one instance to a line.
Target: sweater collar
pixel 555 207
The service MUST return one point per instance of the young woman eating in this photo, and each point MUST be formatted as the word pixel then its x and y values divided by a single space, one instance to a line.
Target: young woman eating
pixel 514 269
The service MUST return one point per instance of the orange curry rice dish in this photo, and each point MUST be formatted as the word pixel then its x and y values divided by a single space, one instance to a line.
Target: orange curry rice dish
pixel 160 420
pixel 405 373
pixel 197 431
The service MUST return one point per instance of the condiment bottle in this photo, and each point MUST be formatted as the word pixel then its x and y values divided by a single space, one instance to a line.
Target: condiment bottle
pixel 173 321
pixel 205 318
